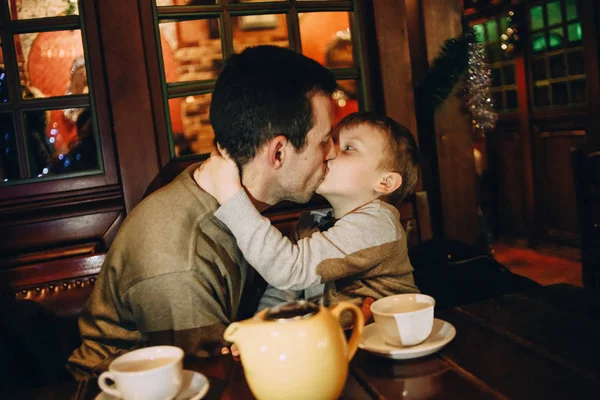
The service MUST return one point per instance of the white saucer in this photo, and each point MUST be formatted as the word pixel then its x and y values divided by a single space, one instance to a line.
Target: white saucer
pixel 194 387
pixel 441 334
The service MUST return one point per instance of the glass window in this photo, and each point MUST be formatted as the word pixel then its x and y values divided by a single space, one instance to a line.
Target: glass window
pixel 578 91
pixel 554 13
pixel 54 63
pixel 572 12
pixel 190 125
pixel 195 41
pixel 502 65
pixel 28 9
pixel 326 38
pixel 254 30
pixel 56 147
pixel 51 131
pixel 536 17
pixel 575 34
pixel 557 64
pixel 556 38
pixel 491 28
pixel 479 32
pixel 9 155
pixel 191 50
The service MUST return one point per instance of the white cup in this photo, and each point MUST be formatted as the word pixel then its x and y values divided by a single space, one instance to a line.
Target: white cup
pixel 151 373
pixel 404 319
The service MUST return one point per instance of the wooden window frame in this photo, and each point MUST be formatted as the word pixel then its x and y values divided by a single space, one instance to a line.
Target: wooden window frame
pixel 59 189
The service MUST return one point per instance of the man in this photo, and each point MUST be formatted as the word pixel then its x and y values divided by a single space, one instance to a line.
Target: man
pixel 174 274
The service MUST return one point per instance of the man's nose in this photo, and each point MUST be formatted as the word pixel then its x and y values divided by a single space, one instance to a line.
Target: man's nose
pixel 333 150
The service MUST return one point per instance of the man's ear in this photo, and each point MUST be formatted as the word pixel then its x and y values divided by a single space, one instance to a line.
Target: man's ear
pixel 388 183
pixel 275 151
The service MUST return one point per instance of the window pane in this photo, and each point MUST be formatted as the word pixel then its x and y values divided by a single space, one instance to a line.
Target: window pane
pixel 187 2
pixel 572 10
pixel 512 101
pixel 509 74
pixel 252 30
pixel 191 50
pixel 190 124
pixel 27 9
pixel 536 18
pixel 497 100
pixel 479 32
pixel 345 99
pixel 326 38
pixel 495 75
pixel 491 28
pixel 503 24
pixel 554 13
pixel 9 158
pixel 4 96
pixel 575 60
pixel 575 34
pixel 556 38
pixel 557 66
pixel 538 42
pixel 578 91
pixel 494 52
pixel 559 94
pixel 60 141
pixel 541 96
pixel 54 63
pixel 538 69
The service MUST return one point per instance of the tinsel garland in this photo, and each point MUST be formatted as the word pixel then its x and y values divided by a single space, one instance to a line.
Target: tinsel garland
pixel 459 57
pixel 477 90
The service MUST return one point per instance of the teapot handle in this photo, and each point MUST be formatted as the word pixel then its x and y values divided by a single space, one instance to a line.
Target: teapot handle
pixel 357 328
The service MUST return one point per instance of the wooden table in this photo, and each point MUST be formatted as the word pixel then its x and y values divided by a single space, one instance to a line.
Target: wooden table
pixel 539 344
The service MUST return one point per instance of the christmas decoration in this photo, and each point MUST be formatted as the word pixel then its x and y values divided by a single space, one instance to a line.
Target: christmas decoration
pixel 461 59
pixel 477 90
pixel 510 38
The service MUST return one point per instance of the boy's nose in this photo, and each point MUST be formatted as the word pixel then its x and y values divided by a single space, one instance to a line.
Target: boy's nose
pixel 333 150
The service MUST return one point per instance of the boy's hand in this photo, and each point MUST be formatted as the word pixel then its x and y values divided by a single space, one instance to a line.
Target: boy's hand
pixel 366 309
pixel 219 176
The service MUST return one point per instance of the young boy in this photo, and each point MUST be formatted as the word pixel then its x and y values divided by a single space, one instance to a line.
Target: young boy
pixel 364 254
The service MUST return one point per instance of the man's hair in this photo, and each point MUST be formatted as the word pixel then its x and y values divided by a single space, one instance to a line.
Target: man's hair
pixel 401 154
pixel 263 92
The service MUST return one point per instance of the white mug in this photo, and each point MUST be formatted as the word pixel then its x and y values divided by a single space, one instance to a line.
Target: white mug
pixel 404 319
pixel 151 373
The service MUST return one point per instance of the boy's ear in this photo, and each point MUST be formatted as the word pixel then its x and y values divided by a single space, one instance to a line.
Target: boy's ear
pixel 276 151
pixel 388 183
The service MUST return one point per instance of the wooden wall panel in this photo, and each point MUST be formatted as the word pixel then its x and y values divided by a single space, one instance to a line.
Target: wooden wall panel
pixel 507 176
pixel 557 204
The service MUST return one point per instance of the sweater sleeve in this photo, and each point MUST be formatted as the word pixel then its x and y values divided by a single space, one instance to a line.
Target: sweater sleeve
pixel 286 265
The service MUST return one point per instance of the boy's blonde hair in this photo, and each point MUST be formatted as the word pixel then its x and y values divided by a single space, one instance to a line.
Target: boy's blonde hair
pixel 401 153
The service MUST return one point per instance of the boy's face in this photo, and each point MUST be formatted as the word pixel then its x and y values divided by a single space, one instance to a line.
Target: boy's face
pixel 354 172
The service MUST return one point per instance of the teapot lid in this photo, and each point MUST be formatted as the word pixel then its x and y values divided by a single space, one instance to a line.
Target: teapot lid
pixel 292 311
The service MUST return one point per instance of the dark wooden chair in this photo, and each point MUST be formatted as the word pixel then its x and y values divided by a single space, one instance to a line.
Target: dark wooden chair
pixel 586 170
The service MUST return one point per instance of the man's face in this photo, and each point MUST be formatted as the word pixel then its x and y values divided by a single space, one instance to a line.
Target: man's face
pixel 305 170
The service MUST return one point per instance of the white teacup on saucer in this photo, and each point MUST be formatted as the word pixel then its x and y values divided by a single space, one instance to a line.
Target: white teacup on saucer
pixel 404 319
pixel 151 373
pixel 194 387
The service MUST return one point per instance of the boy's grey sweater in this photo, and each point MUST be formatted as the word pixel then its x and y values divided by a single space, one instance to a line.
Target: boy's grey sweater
pixel 363 255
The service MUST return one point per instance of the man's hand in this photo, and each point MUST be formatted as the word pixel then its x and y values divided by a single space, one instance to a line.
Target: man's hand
pixel 219 177
pixel 234 351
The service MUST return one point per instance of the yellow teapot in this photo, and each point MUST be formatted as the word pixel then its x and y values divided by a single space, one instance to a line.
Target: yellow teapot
pixel 296 350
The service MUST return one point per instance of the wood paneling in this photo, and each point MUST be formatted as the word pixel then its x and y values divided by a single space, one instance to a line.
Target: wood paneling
pixel 23 238
pixel 554 181
pixel 507 206
pixel 129 93
pixel 453 131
